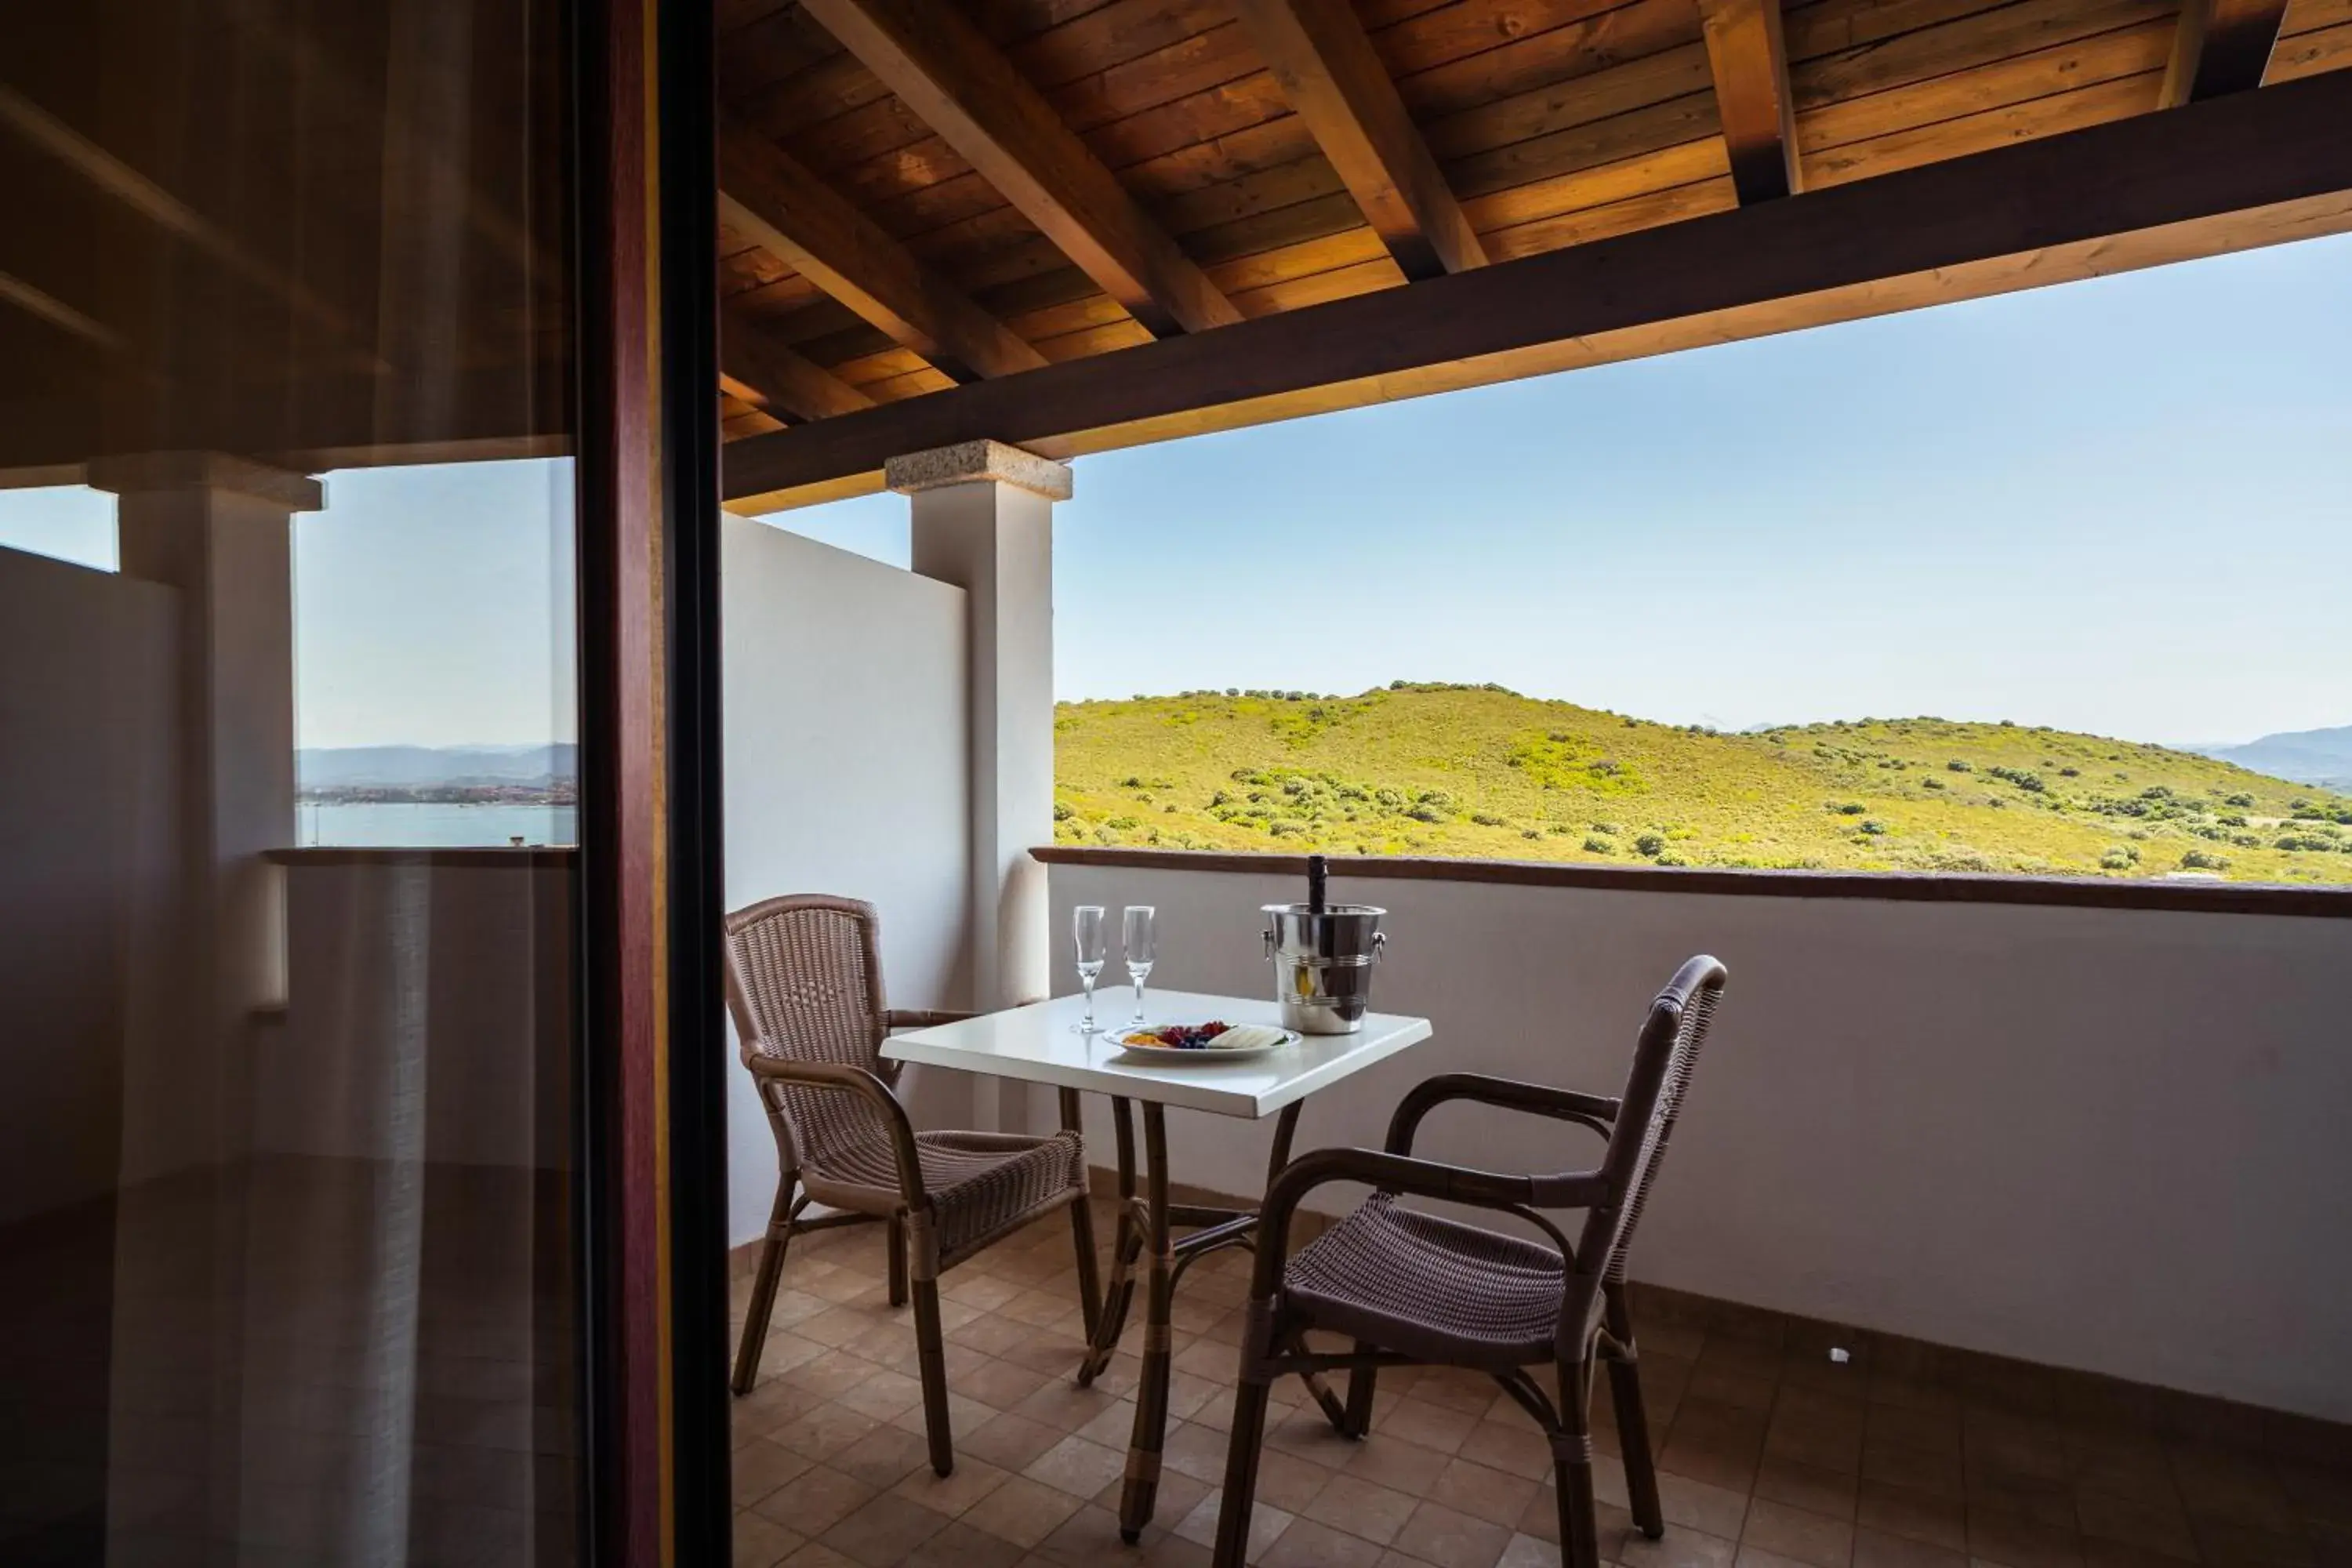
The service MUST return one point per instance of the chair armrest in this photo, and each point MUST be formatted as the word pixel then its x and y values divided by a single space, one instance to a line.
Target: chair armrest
pixel 1401 1174
pixel 1597 1111
pixel 842 1078
pixel 922 1018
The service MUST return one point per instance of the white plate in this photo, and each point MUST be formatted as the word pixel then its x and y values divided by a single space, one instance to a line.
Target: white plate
pixel 1200 1053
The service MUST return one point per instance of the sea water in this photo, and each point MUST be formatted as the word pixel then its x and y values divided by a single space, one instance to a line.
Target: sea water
pixel 414 825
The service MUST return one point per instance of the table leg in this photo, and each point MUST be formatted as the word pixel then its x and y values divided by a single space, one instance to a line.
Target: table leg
pixel 1127 1240
pixel 1143 1488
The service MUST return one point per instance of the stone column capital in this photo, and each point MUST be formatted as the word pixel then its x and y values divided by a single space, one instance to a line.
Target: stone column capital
pixel 135 473
pixel 969 462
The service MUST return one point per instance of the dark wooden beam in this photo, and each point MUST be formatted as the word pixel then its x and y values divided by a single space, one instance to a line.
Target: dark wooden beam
pixel 788 385
pixel 1329 70
pixel 767 197
pixel 2220 46
pixel 935 58
pixel 1751 65
pixel 2248 169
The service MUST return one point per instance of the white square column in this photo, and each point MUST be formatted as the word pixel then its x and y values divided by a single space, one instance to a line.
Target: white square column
pixel 219 529
pixel 984 520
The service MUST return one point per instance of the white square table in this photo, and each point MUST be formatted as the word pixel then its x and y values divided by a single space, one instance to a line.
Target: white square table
pixel 1039 1044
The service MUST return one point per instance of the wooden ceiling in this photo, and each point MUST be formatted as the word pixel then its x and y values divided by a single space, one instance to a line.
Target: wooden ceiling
pixel 920 196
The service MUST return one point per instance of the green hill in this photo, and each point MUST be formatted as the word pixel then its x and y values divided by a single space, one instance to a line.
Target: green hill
pixel 1483 772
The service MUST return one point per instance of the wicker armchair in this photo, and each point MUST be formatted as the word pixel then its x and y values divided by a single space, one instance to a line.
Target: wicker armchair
pixel 804 983
pixel 1411 1289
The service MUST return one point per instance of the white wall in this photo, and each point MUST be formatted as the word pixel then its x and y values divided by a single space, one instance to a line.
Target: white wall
pixel 847 768
pixel 2101 1139
pixel 87 846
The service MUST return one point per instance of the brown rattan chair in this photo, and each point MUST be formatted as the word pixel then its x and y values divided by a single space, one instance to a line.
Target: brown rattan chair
pixel 1413 1289
pixel 804 983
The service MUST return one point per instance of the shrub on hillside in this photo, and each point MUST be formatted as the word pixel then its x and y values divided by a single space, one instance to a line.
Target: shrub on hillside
pixel 1650 844
pixel 2203 861
pixel 1596 845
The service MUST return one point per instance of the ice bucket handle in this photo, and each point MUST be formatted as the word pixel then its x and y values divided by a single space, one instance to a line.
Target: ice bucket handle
pixel 1380 944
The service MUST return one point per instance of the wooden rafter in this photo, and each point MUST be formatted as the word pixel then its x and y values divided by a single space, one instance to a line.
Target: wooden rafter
pixel 1750 64
pixel 1329 70
pixel 2244 170
pixel 151 201
pixel 767 197
pixel 2220 46
pixel 957 81
pixel 780 379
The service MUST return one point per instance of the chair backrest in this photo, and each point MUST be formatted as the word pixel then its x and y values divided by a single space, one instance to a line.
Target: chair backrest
pixel 805 982
pixel 1666 1054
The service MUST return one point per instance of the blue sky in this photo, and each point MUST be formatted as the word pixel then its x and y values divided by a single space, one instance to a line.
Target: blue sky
pixel 2122 506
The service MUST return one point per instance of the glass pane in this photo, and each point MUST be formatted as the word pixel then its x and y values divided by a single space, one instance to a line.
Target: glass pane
pixel 288 742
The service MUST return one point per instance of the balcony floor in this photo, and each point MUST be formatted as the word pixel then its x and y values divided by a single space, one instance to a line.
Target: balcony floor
pixel 1772 1455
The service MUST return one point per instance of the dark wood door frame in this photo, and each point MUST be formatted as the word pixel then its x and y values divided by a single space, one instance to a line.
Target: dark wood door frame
pixel 652 1148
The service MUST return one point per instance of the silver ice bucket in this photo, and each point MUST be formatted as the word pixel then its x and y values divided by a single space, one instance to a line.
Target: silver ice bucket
pixel 1323 964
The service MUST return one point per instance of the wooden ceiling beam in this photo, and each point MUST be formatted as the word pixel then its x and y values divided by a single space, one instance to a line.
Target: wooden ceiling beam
pixel 1750 64
pixel 2247 169
pixel 2220 46
pixel 784 382
pixel 956 80
pixel 1329 70
pixel 766 195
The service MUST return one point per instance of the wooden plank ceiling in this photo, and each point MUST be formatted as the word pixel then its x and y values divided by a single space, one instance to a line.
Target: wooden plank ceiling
pixel 971 187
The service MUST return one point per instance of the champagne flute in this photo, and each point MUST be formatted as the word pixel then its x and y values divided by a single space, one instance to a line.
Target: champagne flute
pixel 1135 933
pixel 1087 926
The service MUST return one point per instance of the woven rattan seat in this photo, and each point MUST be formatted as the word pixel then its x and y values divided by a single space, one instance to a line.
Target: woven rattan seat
pixel 804 984
pixel 1413 1289
pixel 1431 1287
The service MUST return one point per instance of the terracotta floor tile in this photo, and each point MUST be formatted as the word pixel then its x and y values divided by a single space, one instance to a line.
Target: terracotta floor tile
pixel 1450 1539
pixel 1021 1511
pixel 1432 1426
pixel 1266 1527
pixel 760 1467
pixel 884 1530
pixel 1808 1487
pixel 1676 1549
pixel 2020 1542
pixel 1496 1496
pixel 1288 1482
pixel 1794 1532
pixel 1077 1467
pixel 1390 1462
pixel 1008 1441
pixel 883 1457
pixel 1087 1539
pixel 1919 1469
pixel 1361 1508
pixel 883 1395
pixel 1915 1515
pixel 961 1546
pixel 816 1554
pixel 1196 1451
pixel 1718 1510
pixel 1528 1552
pixel 2161 1528
pixel 950 1494
pixel 813 1503
pixel 1307 1544
pixel 1876 1548
pixel 1519 1449
pixel 761 1542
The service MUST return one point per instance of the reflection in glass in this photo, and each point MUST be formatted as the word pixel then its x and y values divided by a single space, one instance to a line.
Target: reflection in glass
pixel 286 1150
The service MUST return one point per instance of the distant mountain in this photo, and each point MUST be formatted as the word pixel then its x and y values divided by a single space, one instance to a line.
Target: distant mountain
pixel 2306 756
pixel 418 767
